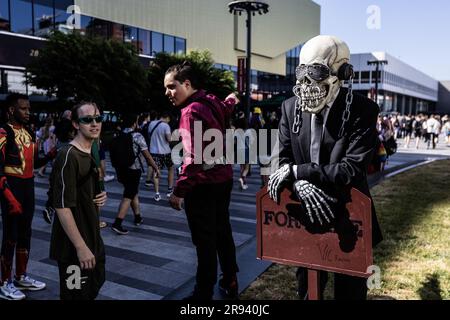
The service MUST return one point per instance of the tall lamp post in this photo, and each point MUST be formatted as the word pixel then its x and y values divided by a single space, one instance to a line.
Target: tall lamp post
pixel 377 63
pixel 251 7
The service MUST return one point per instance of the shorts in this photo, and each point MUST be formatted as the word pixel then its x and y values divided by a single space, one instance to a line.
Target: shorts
pixel 85 288
pixel 130 179
pixel 163 160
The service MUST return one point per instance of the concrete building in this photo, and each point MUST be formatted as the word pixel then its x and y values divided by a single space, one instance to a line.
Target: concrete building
pixel 163 25
pixel 401 87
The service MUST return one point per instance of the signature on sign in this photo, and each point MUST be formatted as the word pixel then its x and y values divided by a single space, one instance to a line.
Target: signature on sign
pixel 326 254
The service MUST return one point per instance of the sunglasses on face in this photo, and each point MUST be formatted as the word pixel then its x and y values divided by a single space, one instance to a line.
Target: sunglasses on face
pixel 317 72
pixel 90 119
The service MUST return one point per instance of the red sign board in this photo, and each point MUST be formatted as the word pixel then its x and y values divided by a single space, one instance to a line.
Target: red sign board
pixel 285 235
pixel 241 74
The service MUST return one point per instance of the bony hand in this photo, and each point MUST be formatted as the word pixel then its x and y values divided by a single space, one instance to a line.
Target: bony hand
pixel 315 201
pixel 278 179
pixel 100 199
pixel 176 202
pixel 86 258
pixel 157 173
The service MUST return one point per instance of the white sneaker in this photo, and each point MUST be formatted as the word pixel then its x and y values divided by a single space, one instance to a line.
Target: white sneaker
pixel 108 178
pixel 157 197
pixel 169 192
pixel 10 292
pixel 27 283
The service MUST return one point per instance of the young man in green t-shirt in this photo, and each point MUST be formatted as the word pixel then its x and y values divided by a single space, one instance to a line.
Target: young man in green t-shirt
pixel 76 243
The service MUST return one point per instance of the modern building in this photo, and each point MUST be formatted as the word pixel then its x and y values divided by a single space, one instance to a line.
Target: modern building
pixel 163 25
pixel 401 87
pixel 443 106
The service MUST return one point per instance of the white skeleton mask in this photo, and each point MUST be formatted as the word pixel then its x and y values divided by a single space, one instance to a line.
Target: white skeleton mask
pixel 317 75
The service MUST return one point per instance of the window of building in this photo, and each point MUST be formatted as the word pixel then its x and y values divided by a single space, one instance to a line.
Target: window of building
pixel 169 44
pixel 374 76
pixel 145 44
pixel 21 16
pixel 61 15
pixel 43 18
pixel 85 24
pixel 115 31
pixel 98 28
pixel 130 35
pixel 4 15
pixel 157 42
pixel 180 45
pixel 365 77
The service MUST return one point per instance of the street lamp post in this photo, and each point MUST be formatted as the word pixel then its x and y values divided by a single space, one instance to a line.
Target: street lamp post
pixel 251 7
pixel 377 64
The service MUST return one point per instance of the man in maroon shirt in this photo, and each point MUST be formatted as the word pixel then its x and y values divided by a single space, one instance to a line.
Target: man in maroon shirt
pixel 205 189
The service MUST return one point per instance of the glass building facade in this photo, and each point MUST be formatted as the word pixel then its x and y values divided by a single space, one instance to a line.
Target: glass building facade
pixel 266 84
pixel 41 17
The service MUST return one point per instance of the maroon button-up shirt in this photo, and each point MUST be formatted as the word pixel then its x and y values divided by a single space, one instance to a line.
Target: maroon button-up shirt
pixel 212 113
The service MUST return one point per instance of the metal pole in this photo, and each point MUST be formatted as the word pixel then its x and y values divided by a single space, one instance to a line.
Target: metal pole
pixel 376 82
pixel 248 66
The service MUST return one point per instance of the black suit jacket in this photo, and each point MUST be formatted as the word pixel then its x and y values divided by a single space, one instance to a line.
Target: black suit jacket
pixel 343 161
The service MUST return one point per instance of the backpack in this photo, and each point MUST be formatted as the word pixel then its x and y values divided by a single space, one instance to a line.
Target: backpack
pixel 121 151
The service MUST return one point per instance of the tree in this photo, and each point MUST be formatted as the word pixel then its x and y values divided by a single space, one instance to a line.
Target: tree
pixel 215 81
pixel 108 72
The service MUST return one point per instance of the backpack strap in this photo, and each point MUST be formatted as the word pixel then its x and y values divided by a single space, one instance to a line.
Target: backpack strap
pixel 151 132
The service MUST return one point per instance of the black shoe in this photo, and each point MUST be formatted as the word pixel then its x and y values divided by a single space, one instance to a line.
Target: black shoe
pixel 228 285
pixel 48 213
pixel 119 229
pixel 138 220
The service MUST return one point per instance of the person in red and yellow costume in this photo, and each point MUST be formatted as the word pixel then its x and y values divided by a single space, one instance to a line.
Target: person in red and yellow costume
pixel 18 159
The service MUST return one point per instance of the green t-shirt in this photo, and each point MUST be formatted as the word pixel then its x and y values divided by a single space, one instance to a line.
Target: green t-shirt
pixel 74 183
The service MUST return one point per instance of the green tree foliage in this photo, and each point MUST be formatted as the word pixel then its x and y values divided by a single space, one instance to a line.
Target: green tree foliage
pixel 78 67
pixel 215 81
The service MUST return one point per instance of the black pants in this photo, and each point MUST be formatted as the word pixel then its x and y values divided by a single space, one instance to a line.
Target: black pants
pixel 345 287
pixel 17 228
pixel 209 220
pixel 88 285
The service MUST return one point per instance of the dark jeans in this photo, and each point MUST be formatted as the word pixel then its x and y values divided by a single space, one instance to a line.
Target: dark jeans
pixel 345 287
pixel 431 138
pixel 17 229
pixel 209 220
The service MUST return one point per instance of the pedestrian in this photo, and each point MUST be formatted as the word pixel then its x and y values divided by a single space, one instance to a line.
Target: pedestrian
pixel 18 158
pixel 159 136
pixel 205 189
pixel 76 242
pixel 130 147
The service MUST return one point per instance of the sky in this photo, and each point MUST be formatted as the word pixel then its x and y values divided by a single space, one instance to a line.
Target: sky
pixel 415 31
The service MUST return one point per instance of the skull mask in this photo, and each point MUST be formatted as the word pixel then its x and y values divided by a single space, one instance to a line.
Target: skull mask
pixel 317 75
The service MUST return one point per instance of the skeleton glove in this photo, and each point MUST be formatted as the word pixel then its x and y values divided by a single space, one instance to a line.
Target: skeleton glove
pixel 281 176
pixel 315 201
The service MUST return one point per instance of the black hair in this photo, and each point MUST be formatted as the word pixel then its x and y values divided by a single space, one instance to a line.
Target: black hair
pixel 164 114
pixel 75 115
pixel 129 119
pixel 183 72
pixel 13 99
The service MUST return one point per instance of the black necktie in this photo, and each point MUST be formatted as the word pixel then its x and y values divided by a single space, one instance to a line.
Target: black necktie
pixel 316 138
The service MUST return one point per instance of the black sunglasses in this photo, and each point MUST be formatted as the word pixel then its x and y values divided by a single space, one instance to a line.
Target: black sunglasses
pixel 90 119
pixel 317 72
